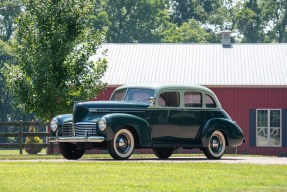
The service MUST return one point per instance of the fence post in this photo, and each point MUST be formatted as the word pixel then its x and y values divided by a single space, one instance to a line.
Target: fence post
pixel 20 137
pixel 50 148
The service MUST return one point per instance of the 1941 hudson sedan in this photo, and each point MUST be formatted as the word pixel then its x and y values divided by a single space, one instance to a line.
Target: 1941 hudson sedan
pixel 162 117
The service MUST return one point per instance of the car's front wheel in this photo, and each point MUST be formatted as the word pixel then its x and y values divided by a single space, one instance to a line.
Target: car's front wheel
pixel 122 146
pixel 163 153
pixel 216 146
pixel 71 151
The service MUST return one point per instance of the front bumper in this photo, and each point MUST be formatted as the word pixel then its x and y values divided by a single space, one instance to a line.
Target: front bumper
pixel 91 139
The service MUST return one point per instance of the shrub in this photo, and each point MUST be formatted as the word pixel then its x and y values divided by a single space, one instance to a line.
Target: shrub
pixel 32 149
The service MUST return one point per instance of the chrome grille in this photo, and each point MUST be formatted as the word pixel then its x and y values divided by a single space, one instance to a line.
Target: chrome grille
pixel 67 129
pixel 83 127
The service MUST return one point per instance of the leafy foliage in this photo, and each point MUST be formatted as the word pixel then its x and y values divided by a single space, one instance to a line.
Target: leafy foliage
pixel 48 64
pixel 54 66
pixel 274 15
pixel 199 10
pixel 9 10
pixel 130 21
pixel 188 32
pixel 249 23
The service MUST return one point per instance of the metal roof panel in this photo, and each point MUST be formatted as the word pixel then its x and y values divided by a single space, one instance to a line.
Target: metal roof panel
pixel 205 64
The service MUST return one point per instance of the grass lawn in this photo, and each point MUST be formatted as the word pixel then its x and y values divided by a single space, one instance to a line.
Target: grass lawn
pixel 140 176
pixel 135 176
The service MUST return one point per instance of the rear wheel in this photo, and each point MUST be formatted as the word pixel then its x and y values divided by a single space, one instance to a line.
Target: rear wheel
pixel 163 153
pixel 122 146
pixel 71 151
pixel 216 146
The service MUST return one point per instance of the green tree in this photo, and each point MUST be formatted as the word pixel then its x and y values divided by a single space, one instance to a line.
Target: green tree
pixel 249 22
pixel 200 10
pixel 274 13
pixel 5 101
pixel 9 11
pixel 54 57
pixel 212 16
pixel 129 20
pixel 188 32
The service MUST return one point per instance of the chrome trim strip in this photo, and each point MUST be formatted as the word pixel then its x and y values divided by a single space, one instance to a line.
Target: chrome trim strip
pixel 86 123
pixel 94 110
pixel 92 139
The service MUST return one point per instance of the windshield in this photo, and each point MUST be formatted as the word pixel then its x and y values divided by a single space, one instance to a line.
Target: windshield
pixel 133 94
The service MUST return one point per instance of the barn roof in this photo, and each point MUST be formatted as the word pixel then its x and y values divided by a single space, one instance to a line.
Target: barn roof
pixel 251 65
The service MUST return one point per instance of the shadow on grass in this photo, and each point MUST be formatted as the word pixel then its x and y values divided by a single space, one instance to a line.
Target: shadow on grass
pixel 172 159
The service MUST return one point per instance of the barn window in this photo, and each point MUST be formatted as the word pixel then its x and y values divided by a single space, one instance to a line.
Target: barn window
pixel 268 127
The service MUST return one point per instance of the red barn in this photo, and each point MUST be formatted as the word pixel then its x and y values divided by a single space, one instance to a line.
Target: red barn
pixel 250 81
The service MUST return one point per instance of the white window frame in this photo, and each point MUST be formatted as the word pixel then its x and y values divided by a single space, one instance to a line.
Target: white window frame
pixel 269 128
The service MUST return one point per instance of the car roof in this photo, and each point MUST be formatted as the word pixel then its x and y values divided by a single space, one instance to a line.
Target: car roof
pixel 158 87
pixel 161 86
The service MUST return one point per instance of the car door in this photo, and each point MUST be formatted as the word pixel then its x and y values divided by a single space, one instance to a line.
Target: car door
pixel 198 109
pixel 167 119
pixel 193 115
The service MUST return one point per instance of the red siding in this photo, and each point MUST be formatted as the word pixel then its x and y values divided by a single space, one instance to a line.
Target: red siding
pixel 237 102
pixel 105 95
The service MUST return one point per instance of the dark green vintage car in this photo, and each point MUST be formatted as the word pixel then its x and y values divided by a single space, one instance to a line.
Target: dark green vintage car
pixel 162 117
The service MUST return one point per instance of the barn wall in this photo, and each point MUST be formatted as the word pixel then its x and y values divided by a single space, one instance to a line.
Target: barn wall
pixel 238 102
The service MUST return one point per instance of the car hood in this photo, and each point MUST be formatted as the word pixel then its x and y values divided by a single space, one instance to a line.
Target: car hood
pixel 93 110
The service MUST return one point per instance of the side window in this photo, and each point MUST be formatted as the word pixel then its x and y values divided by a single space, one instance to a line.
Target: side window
pixel 169 99
pixel 119 95
pixel 209 102
pixel 192 99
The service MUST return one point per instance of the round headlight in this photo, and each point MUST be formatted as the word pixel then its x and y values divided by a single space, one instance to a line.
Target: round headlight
pixel 54 124
pixel 102 123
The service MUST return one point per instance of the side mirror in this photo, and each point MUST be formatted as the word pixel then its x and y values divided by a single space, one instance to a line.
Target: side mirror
pixel 152 100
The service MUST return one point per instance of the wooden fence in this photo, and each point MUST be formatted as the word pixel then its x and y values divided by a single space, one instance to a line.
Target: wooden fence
pixel 21 135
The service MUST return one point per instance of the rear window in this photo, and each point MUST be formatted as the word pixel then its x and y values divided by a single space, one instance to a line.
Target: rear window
pixel 209 101
pixel 192 99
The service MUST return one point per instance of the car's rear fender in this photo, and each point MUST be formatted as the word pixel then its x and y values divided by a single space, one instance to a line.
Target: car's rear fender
pixel 232 132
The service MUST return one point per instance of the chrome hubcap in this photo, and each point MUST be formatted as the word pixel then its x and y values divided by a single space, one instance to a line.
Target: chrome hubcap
pixel 216 144
pixel 123 143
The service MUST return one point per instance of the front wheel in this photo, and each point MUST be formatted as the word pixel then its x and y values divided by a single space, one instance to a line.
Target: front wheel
pixel 216 146
pixel 163 153
pixel 122 146
pixel 71 151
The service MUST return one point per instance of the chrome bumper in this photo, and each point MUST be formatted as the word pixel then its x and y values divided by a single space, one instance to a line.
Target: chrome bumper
pixel 91 139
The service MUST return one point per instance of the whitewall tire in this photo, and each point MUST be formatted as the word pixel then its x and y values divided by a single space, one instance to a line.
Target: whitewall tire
pixel 216 146
pixel 122 146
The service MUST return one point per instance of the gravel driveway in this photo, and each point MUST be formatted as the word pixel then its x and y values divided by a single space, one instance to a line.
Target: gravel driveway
pixel 228 160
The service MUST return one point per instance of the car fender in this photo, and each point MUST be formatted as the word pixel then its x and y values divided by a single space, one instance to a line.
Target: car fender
pixel 117 121
pixel 62 119
pixel 232 132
